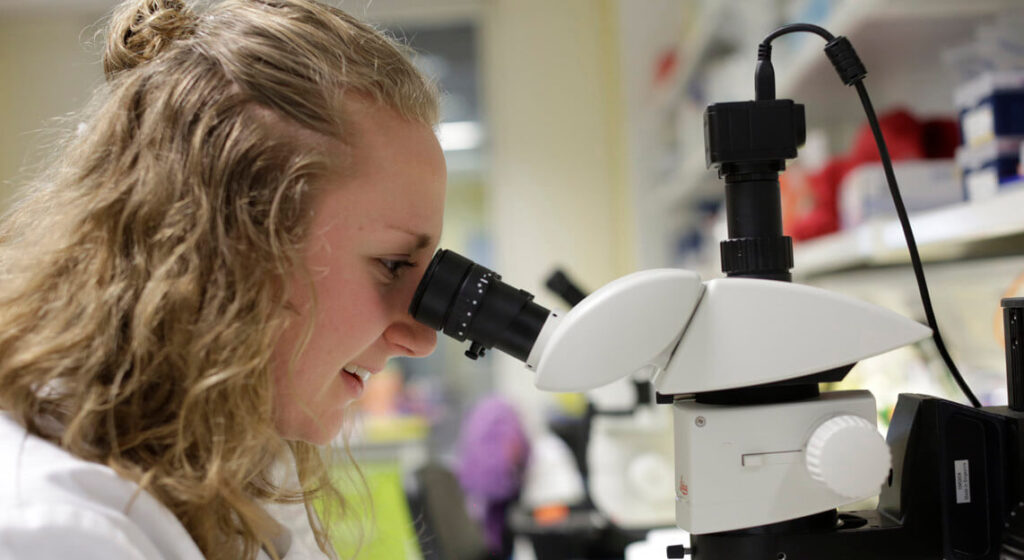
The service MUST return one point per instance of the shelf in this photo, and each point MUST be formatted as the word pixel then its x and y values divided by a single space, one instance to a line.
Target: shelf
pixel 703 42
pixel 942 233
pixel 900 43
pixel 690 180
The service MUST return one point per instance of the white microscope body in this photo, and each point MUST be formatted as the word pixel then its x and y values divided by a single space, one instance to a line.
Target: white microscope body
pixel 737 466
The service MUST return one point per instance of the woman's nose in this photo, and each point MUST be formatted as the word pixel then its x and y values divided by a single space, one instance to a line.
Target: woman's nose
pixel 412 338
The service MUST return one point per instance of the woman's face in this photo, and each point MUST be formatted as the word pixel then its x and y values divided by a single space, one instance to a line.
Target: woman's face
pixel 375 227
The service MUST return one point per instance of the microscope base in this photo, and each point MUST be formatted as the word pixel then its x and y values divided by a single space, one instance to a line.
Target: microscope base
pixel 847 536
pixel 955 493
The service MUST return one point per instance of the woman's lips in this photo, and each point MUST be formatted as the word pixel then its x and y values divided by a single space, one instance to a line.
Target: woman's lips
pixel 359 371
pixel 355 381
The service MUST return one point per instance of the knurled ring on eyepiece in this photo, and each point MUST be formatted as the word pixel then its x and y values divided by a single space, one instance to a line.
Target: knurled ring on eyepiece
pixel 470 296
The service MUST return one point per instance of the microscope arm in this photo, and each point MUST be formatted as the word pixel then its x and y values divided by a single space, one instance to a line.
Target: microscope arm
pixel 748 332
pixel 710 336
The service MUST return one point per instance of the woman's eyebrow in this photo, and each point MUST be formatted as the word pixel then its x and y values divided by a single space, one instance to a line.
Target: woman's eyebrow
pixel 422 239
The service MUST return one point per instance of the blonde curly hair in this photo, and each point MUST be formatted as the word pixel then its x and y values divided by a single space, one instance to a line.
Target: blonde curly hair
pixel 145 275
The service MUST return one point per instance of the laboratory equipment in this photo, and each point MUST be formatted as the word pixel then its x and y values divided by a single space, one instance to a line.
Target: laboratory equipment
pixel 763 459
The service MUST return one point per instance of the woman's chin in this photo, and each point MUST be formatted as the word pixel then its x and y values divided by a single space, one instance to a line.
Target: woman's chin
pixel 311 431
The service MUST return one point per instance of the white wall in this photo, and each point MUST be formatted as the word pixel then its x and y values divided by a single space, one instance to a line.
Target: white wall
pixel 46 71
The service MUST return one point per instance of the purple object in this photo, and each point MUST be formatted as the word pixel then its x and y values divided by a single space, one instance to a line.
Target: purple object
pixel 493 451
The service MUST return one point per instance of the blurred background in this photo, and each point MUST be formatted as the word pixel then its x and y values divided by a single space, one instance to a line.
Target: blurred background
pixel 574 137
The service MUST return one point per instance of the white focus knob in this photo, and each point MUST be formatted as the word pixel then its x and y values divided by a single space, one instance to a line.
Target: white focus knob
pixel 849 456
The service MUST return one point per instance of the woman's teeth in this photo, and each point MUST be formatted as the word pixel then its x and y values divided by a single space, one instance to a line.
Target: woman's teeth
pixel 363 374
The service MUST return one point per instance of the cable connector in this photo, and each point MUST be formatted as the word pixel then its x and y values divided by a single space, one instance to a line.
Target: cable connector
pixel 840 52
pixel 764 75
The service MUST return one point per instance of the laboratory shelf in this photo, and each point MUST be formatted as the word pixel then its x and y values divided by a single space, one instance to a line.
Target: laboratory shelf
pixel 900 42
pixel 703 42
pixel 941 234
pixel 691 180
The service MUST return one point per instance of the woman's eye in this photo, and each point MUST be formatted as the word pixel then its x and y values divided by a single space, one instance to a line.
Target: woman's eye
pixel 394 267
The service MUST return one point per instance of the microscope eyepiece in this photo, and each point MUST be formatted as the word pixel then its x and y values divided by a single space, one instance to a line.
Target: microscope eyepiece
pixel 468 301
pixel 439 286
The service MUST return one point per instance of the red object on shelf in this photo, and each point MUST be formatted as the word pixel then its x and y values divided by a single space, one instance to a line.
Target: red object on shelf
pixel 820 193
pixel 810 199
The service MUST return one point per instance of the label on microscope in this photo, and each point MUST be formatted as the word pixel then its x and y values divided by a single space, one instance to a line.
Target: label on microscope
pixel 962 472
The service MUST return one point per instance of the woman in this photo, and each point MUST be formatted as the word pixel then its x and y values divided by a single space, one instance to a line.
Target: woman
pixel 221 256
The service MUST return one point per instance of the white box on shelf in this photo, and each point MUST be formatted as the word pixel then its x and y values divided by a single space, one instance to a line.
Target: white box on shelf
pixel 924 185
pixel 986 168
pixel 989 106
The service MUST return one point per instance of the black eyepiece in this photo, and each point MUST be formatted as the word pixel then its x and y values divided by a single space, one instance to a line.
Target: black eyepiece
pixel 469 301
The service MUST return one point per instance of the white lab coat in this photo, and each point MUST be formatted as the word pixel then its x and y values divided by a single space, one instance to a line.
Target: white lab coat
pixel 54 505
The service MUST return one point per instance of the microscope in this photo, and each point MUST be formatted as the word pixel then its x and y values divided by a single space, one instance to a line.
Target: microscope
pixel 763 458
pixel 623 446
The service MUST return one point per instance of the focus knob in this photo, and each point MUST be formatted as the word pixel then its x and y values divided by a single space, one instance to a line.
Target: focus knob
pixel 849 456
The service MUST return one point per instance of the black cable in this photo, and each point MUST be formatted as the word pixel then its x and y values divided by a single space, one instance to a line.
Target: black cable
pixel 795 27
pixel 764 75
pixel 915 257
pixel 852 72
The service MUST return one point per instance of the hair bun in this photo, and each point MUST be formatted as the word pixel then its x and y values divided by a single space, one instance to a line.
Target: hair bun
pixel 142 29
